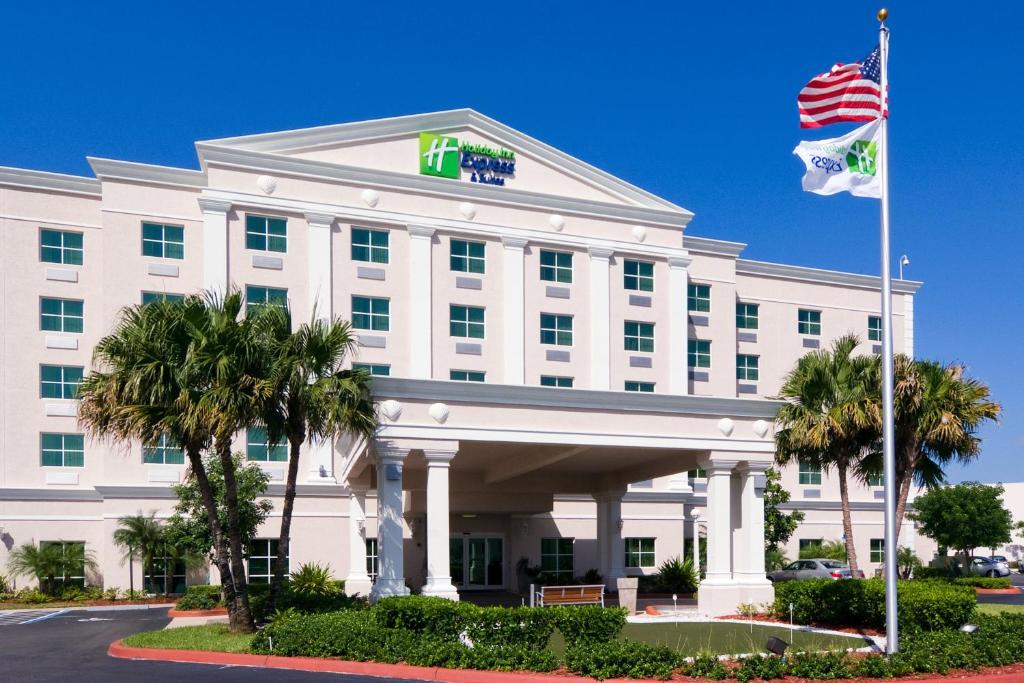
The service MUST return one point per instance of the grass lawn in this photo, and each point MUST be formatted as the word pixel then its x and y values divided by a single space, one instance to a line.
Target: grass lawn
pixel 990 608
pixel 214 637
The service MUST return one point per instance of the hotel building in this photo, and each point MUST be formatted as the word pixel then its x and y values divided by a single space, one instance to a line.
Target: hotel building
pixel 552 353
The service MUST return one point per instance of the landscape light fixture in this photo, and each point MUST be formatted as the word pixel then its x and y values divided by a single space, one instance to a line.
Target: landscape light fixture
pixel 777 646
pixel 968 628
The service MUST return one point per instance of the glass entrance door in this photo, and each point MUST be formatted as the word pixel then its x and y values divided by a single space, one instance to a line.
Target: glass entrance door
pixel 477 562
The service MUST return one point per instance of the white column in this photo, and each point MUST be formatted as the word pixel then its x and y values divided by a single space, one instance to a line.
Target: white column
pixel 514 311
pixel 420 317
pixel 600 318
pixel 750 562
pixel 321 303
pixel 678 381
pixel 610 542
pixel 390 556
pixel 696 543
pixel 439 579
pixel 908 325
pixel 719 520
pixel 215 243
pixel 358 580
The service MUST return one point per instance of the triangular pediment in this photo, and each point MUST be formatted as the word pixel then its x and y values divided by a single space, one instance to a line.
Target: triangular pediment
pixel 489 153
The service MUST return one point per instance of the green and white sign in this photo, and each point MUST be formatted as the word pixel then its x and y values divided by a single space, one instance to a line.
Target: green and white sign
pixel 844 164
pixel 439 155
pixel 443 156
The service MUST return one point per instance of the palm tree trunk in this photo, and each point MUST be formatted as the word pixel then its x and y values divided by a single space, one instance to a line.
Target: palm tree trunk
pixel 844 499
pixel 283 542
pixel 241 617
pixel 220 545
pixel 901 505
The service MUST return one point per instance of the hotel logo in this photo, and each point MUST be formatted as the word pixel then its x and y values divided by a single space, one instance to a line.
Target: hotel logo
pixel 439 155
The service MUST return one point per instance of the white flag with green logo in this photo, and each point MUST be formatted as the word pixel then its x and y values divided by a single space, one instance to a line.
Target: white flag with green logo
pixel 845 164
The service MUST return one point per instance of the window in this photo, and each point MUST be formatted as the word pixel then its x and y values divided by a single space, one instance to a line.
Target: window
pixel 163 241
pixel 699 353
pixel 642 387
pixel 556 266
pixel 466 321
pixel 467 257
pixel 262 556
pixel 810 473
pixel 161 296
pixel 375 369
pixel 259 449
pixel 746 316
pixel 698 298
pixel 746 367
pixel 698 473
pixel 163 451
pixel 62 450
pixel 639 552
pixel 874 328
pixel 638 336
pixel 466 376
pixel 876 479
pixel 638 275
pixel 59 381
pixel 61 246
pixel 371 558
pixel 168 578
pixel 369 313
pixel 556 329
pixel 556 558
pixel 259 296
pixel 70 549
pixel 370 245
pixel 806 543
pixel 878 550
pixel 552 381
pixel 808 322
pixel 61 315
pixel 266 234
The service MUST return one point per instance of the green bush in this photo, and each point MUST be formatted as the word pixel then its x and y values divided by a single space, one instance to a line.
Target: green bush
pixel 201 597
pixel 983 582
pixel 927 605
pixel 764 667
pixel 588 624
pixel 705 666
pixel 314 579
pixel 933 573
pixel 426 615
pixel 621 658
pixel 820 665
pixel 32 596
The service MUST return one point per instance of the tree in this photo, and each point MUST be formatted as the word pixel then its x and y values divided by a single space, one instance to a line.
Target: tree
pixel 142 538
pixel 778 526
pixel 313 397
pixel 827 550
pixel 906 562
pixel 50 563
pixel 964 517
pixel 830 417
pixel 937 413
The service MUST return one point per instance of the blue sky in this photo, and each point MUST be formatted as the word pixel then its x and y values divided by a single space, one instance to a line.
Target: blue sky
pixel 692 101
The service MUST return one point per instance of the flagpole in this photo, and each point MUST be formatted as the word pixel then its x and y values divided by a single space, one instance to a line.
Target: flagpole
pixel 888 445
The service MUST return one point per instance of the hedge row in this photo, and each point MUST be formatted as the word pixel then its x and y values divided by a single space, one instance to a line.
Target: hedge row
pixel 210 597
pixel 944 574
pixel 922 605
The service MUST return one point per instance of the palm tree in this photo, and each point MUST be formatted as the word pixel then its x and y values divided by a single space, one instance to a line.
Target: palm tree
pixel 142 537
pixel 142 387
pixel 313 397
pixel 937 413
pixel 50 562
pixel 830 417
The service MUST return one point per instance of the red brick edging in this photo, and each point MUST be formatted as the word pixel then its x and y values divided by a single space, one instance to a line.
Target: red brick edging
pixel 403 671
pixel 217 612
pixel 997 591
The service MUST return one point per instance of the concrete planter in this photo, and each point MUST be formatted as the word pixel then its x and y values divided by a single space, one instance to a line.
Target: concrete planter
pixel 627 593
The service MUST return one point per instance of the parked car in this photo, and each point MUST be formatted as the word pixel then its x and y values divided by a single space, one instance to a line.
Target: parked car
pixel 799 570
pixel 987 566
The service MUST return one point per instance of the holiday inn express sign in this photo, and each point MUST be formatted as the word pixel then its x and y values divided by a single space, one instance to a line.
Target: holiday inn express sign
pixel 443 156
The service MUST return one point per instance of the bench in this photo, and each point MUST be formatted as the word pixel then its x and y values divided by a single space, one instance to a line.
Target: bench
pixel 549 596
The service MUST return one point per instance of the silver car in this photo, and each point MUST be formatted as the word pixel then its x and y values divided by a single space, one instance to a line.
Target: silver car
pixel 988 566
pixel 814 569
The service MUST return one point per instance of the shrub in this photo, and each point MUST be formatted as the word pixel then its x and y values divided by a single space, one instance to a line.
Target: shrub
pixel 932 573
pixel 880 666
pixel 32 596
pixel 706 666
pixel 426 615
pixel 676 576
pixel 313 579
pixel 588 624
pixel 617 659
pixel 982 582
pixel 519 627
pixel 820 665
pixel 765 667
pixel 201 597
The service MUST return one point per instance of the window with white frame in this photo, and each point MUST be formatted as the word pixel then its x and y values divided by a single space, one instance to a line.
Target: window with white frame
pixel 59 381
pixel 76 551
pixel 163 241
pixel 556 329
pixel 466 375
pixel 148 297
pixel 810 472
pixel 698 298
pixel 878 550
pixel 375 369
pixel 61 450
pixel 270 296
pixel 371 558
pixel 61 246
pixel 555 381
pixel 263 233
pixel 371 313
pixel 808 322
pixel 746 316
pixel 874 328
pixel 638 275
pixel 638 336
pixel 466 321
pixel 370 245
pixel 640 552
pixel 698 353
pixel 262 556
pixel 163 451
pixel 556 558
pixel 556 266
pixel 467 257
pixel 169 576
pixel 747 367
pixel 259 449
pixel 641 387
pixel 61 315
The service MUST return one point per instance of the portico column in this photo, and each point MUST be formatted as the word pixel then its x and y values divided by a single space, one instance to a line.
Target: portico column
pixel 600 315
pixel 696 544
pixel 678 381
pixel 390 556
pixel 420 318
pixel 750 565
pixel 611 546
pixel 512 320
pixel 215 243
pixel 318 265
pixel 358 580
pixel 719 520
pixel 439 579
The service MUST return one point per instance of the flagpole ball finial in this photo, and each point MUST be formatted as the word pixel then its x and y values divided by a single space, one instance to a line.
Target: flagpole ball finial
pixel 883 14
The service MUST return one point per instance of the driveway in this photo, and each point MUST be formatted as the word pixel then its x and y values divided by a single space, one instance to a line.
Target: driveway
pixel 72 645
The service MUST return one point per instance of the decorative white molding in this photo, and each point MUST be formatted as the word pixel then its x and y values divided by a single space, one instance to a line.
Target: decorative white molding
pixel 600 318
pixel 639 233
pixel 468 210
pixel 391 409
pixel 62 274
pixel 726 426
pixel 114 169
pixel 710 246
pixel 439 411
pixel 514 242
pixel 215 242
pixel 266 183
pixel 679 330
pixel 514 312
pixel 557 222
pixel 45 180
pixel 316 219
pixel 60 478
pixel 761 428
pixel 421 240
pixel 600 253
pixel 908 325
pixel 420 230
pixel 58 342
pixel 677 262
pixel 370 197
pixel 64 409
pixel 321 293
pixel 821 276
pixel 214 205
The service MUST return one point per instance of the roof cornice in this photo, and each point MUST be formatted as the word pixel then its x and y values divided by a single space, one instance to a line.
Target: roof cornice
pixel 706 245
pixel 113 169
pixel 582 399
pixel 820 276
pixel 342 133
pixel 276 163
pixel 44 180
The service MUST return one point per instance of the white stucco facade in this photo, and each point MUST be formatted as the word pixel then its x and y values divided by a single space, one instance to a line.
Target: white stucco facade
pixel 465 477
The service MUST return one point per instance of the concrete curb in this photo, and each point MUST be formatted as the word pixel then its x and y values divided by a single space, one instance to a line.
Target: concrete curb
pixel 416 673
pixel 90 608
pixel 175 613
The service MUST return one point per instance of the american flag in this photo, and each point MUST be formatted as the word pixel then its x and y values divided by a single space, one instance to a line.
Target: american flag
pixel 849 92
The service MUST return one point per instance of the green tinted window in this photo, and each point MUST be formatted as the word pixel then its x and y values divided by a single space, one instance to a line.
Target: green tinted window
pixel 874 328
pixel 259 296
pixel 466 321
pixel 375 369
pixel 467 257
pixel 638 275
pixel 466 376
pixel 810 473
pixel 556 329
pixel 61 315
pixel 369 313
pixel 746 316
pixel 62 450
pixel 808 322
pixel 878 550
pixel 746 367
pixel 638 336
pixel 163 241
pixel 370 245
pixel 642 387
pixel 556 558
pixel 640 552
pixel 261 560
pixel 163 452
pixel 553 381
pixel 699 353
pixel 59 381
pixel 698 298
pixel 263 233
pixel 161 296
pixel 259 449
pixel 61 246
pixel 556 266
